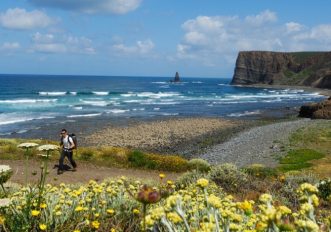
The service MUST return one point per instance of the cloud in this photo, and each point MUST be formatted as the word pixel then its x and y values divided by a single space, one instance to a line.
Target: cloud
pixel 140 48
pixel 266 16
pixel 50 43
pixel 21 19
pixel 216 40
pixel 91 6
pixel 293 27
pixel 10 47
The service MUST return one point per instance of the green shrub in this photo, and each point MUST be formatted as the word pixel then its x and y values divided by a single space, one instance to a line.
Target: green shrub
pixel 260 171
pixel 86 154
pixel 114 155
pixel 286 191
pixel 139 159
pixel 228 176
pixel 199 165
pixel 324 189
pixel 189 178
pixel 168 162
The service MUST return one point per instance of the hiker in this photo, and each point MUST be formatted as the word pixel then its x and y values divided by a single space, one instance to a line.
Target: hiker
pixel 68 144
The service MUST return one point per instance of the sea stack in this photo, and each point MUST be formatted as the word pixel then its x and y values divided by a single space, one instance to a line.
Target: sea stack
pixel 176 79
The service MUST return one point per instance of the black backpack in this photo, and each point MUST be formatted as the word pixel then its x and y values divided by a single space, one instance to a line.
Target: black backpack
pixel 74 138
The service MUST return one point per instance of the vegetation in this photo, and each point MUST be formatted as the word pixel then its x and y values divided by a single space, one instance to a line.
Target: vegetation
pixel 104 156
pixel 309 147
pixel 298 159
pixel 201 205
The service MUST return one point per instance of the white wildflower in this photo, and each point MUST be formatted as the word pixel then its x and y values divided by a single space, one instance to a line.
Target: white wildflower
pixel 48 147
pixel 4 202
pixel 27 145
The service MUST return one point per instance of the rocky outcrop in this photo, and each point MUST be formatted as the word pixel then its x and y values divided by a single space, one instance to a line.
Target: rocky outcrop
pixel 320 110
pixel 281 68
pixel 176 79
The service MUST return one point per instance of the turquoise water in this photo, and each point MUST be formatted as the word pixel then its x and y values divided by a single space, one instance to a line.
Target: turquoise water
pixel 28 101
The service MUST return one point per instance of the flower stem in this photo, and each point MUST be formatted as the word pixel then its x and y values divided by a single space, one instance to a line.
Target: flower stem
pixel 26 166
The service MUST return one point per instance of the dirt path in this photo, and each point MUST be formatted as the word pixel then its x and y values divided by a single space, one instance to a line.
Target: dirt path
pixel 84 173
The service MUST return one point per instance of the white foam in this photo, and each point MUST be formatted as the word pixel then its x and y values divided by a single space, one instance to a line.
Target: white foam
pixel 52 93
pixel 27 101
pixel 117 111
pixel 73 93
pixel 156 108
pixel 169 114
pixel 128 94
pixel 12 118
pixel 100 93
pixel 197 82
pixel 138 109
pixel 246 113
pixel 83 115
pixel 95 103
pixel 159 82
pixel 158 95
pixel 21 131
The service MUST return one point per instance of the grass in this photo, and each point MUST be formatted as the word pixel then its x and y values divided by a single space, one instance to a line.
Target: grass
pixel 309 147
pixel 298 159
pixel 102 156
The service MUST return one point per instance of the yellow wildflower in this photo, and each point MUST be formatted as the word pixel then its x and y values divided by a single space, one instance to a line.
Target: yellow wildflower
pixel 265 198
pixel 58 213
pixel 306 187
pixel 2 220
pixel 35 213
pixel 78 209
pixel 42 227
pixel 136 211
pixel 162 175
pixel 95 224
pixel 202 182
pixel 110 211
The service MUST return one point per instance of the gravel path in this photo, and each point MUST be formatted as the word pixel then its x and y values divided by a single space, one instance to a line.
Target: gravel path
pixel 257 145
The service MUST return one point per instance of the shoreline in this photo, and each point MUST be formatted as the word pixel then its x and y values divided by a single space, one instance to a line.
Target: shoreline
pixel 325 92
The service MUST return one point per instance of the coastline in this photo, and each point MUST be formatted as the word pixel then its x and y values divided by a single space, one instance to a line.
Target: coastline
pixel 325 92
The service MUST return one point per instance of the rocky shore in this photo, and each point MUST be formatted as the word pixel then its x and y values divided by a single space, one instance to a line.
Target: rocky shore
pixel 171 136
pixel 257 145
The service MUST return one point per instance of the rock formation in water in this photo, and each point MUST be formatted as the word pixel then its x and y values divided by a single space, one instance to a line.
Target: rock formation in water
pixel 280 68
pixel 176 79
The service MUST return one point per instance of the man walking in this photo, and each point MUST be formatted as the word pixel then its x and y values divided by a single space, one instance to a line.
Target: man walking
pixel 67 144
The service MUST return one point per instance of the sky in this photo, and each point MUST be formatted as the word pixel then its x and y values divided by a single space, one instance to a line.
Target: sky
pixel 197 38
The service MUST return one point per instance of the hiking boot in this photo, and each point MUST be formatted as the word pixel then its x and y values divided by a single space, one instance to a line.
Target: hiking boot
pixel 59 172
pixel 74 169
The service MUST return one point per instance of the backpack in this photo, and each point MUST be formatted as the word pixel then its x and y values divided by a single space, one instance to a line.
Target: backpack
pixel 74 138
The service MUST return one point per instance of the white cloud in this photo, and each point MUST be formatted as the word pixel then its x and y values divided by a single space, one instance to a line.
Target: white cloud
pixel 92 6
pixel 10 47
pixel 140 48
pixel 293 27
pixel 21 19
pixel 216 40
pixel 49 43
pixel 266 16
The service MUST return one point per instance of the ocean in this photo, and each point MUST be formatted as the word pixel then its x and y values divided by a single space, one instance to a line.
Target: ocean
pixel 28 102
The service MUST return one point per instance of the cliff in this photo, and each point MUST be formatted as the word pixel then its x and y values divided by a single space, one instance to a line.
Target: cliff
pixel 280 68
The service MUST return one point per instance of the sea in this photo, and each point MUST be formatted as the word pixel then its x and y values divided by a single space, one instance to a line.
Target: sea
pixel 28 102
